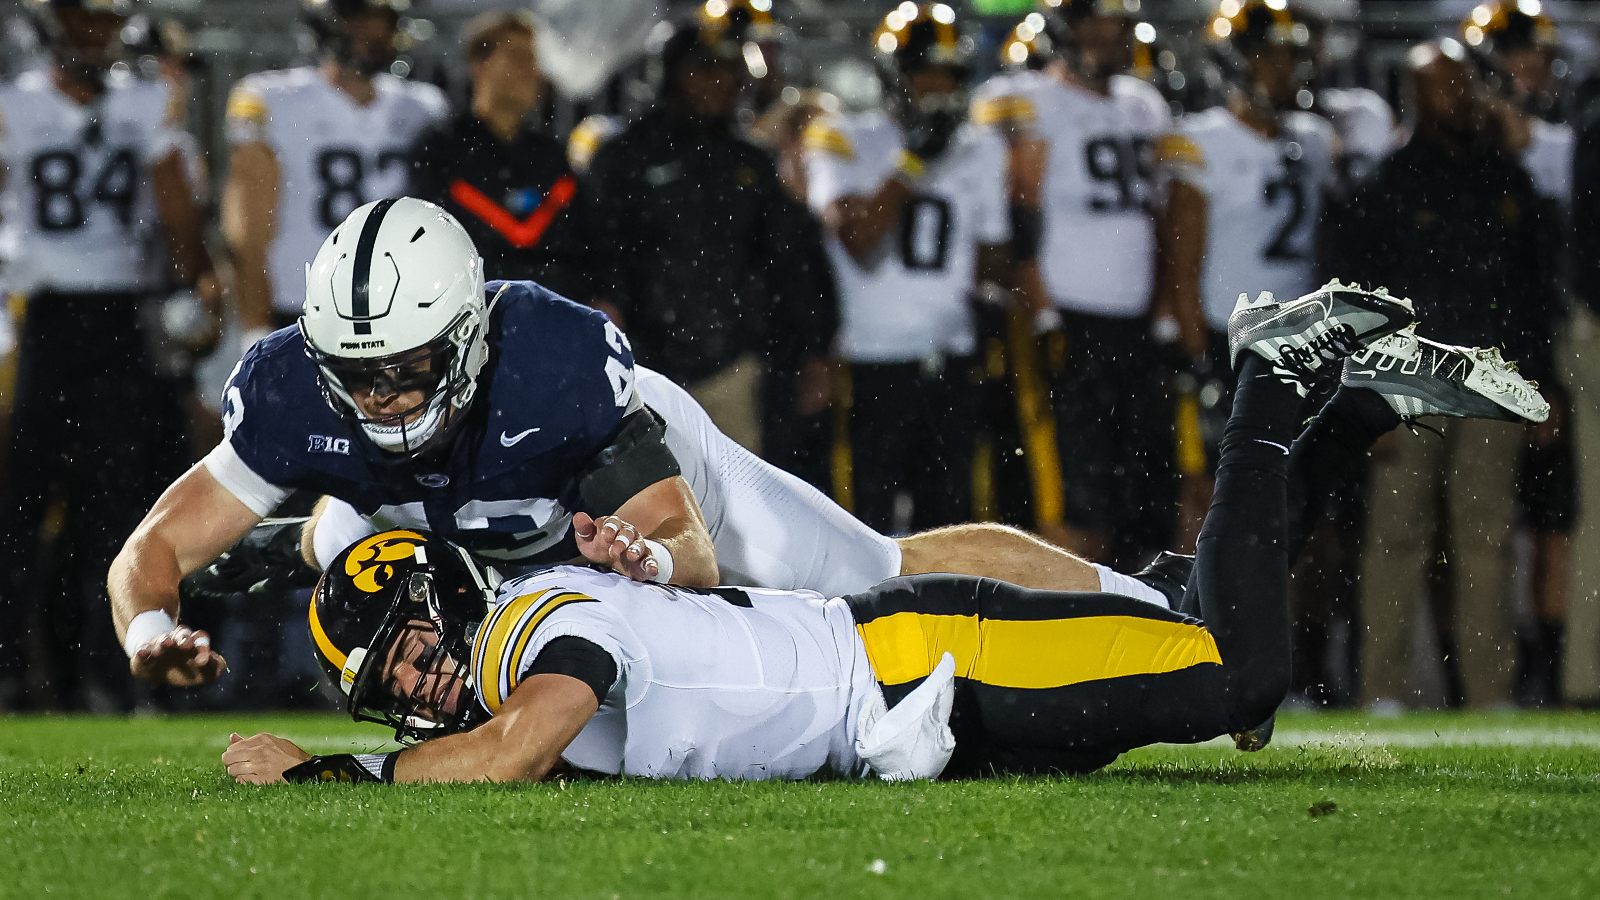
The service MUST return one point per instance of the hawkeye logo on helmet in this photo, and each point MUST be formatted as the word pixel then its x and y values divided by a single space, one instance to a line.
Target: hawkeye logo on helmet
pixel 368 562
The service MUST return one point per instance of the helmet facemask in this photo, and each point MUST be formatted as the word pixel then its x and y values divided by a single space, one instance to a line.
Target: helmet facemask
pixel 415 679
pixel 440 370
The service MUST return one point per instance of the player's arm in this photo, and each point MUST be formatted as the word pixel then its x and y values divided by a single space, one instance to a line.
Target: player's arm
pixel 1181 239
pixel 249 212
pixel 196 519
pixel 1025 183
pixel 860 222
pixel 181 219
pixel 665 514
pixel 523 742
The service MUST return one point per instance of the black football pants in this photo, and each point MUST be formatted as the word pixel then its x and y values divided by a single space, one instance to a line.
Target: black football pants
pixel 91 424
pixel 1058 681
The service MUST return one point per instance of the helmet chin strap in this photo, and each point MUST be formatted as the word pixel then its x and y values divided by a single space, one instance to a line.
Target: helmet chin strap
pixel 400 438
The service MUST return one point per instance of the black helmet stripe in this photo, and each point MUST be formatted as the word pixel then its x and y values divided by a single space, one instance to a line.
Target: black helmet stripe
pixel 360 289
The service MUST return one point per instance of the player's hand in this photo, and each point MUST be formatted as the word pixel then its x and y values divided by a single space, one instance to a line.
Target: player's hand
pixel 261 758
pixel 182 658
pixel 612 542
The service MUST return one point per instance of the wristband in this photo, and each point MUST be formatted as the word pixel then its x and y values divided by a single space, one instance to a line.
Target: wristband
pixel 663 558
pixel 146 627
pixel 359 768
pixel 911 165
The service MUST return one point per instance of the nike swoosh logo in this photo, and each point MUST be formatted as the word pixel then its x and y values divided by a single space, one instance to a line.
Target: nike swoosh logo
pixel 1370 373
pixel 507 440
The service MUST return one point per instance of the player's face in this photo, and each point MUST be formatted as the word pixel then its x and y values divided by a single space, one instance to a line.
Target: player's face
pixel 930 81
pixel 1444 93
pixel 1277 71
pixel 1529 68
pixel 396 393
pixel 510 74
pixel 711 89
pixel 372 34
pixel 424 676
pixel 1105 45
pixel 91 36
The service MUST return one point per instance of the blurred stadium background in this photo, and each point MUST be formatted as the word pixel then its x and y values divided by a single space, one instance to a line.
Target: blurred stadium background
pixel 600 58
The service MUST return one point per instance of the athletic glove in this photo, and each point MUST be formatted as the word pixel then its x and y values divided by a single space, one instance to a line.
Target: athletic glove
pixel 267 561
pixel 362 768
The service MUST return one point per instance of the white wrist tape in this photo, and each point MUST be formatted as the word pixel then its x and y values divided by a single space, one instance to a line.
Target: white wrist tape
pixel 146 627
pixel 663 558
pixel 1112 582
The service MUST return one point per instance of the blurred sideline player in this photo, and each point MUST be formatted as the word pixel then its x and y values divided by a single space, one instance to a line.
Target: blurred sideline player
pixel 497 170
pixel 92 165
pixel 511 421
pixel 1081 169
pixel 1520 50
pixel 1362 120
pixel 914 202
pixel 1248 185
pixel 917 678
pixel 310 145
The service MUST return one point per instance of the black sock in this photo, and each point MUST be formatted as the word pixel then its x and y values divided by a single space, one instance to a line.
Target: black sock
pixel 1262 425
pixel 1332 450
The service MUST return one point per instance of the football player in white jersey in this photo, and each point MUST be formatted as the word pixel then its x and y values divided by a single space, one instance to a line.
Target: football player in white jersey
pixel 1081 133
pixel 910 198
pixel 1250 179
pixel 922 677
pixel 312 144
pixel 92 168
pixel 1248 186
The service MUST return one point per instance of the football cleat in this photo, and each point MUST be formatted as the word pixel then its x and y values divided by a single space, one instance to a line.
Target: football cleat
pixel 1441 380
pixel 1256 738
pixel 1301 337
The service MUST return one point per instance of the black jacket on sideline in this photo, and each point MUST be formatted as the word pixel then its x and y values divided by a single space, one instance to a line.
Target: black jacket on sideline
pixel 700 246
pixel 515 200
pixel 1465 237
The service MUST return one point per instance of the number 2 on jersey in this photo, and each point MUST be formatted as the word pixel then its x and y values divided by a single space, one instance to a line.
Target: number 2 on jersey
pixel 56 175
pixel 1291 184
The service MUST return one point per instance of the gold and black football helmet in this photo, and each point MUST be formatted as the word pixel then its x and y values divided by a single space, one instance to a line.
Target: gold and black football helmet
pixel 1496 28
pixel 1252 33
pixel 402 597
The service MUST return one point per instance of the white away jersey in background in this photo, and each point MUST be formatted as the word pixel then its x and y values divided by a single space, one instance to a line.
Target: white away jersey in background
pixel 333 156
pixel 1548 160
pixel 1263 201
pixel 1365 126
pixel 734 683
pixel 78 208
pixel 911 301
pixel 1097 254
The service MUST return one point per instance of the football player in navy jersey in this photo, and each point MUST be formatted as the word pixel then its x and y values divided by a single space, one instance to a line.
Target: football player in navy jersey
pixel 510 421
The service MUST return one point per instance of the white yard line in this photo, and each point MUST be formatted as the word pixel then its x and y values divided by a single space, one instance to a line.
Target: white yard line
pixel 1444 737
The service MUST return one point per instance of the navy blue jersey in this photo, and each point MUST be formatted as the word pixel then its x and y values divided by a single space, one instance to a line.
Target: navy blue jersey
pixel 559 380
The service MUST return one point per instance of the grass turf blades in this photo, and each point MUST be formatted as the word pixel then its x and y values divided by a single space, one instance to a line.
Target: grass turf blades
pixel 1423 806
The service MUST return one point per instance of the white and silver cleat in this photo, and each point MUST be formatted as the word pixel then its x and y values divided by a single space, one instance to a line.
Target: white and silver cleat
pixel 1321 328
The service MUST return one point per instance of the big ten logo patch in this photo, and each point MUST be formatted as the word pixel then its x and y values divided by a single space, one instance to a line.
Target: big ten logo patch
pixel 321 443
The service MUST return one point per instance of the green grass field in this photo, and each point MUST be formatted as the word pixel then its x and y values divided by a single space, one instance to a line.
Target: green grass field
pixel 1425 806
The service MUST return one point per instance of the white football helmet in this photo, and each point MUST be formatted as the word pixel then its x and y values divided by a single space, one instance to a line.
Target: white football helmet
pixel 394 303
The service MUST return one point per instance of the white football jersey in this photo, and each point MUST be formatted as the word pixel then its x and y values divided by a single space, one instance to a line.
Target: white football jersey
pixel 333 156
pixel 1097 252
pixel 733 683
pixel 1264 198
pixel 911 300
pixel 1548 159
pixel 1365 126
pixel 79 212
